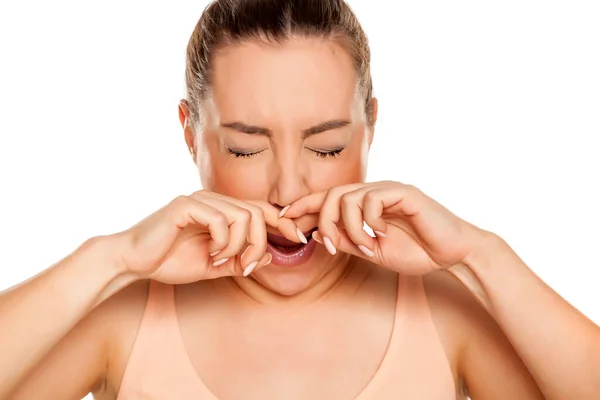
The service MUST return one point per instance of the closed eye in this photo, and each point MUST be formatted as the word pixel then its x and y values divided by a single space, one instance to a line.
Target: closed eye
pixel 327 153
pixel 243 154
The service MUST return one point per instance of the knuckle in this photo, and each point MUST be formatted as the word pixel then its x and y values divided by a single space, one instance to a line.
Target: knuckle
pixel 218 218
pixel 345 198
pixel 332 194
pixel 411 188
pixel 348 199
pixel 175 209
pixel 180 201
pixel 244 215
pixel 370 197
pixel 257 213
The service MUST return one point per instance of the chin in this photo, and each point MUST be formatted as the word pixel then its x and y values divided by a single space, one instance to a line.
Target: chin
pixel 289 280
pixel 286 285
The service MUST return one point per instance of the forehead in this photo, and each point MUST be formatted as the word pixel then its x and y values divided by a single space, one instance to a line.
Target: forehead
pixel 301 77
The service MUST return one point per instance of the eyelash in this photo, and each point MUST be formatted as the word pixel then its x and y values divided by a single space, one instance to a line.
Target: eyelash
pixel 326 154
pixel 239 154
pixel 321 154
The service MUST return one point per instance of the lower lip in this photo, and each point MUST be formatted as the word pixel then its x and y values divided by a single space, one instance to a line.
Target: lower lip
pixel 294 258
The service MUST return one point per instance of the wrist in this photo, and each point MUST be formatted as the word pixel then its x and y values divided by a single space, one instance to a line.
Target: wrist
pixel 102 257
pixel 486 247
pixel 102 254
pixel 473 269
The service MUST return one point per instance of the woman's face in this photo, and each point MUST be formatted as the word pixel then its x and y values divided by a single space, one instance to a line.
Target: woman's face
pixel 282 122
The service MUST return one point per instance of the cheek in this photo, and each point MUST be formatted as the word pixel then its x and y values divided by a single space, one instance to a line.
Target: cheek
pixel 222 173
pixel 348 168
pixel 237 178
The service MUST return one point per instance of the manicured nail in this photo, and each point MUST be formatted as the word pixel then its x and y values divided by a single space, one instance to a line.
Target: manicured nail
pixel 220 262
pixel 301 236
pixel 248 270
pixel 214 253
pixel 329 246
pixel 380 234
pixel 269 259
pixel 284 210
pixel 365 250
pixel 316 237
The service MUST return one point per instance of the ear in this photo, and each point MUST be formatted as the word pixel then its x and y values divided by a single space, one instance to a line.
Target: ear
pixel 188 131
pixel 372 108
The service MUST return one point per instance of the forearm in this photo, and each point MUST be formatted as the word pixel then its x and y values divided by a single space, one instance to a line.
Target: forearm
pixel 559 345
pixel 36 314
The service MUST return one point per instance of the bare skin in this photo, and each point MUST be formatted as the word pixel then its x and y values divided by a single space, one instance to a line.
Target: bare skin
pixel 462 324
pixel 285 91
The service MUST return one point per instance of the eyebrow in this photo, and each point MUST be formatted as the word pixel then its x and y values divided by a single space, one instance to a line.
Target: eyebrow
pixel 313 130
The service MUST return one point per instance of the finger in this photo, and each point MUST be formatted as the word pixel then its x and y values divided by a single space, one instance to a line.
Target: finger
pixel 313 202
pixel 270 215
pixel 285 226
pixel 346 245
pixel 373 211
pixel 264 261
pixel 352 214
pixel 185 211
pixel 238 220
pixel 247 226
pixel 401 199
pixel 330 213
pixel 306 205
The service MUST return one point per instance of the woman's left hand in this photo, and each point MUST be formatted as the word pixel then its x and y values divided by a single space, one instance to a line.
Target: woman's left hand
pixel 414 234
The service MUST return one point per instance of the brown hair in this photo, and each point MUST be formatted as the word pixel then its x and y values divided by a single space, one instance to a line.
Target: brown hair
pixel 272 21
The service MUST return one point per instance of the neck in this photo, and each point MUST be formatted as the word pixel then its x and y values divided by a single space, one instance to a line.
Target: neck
pixel 345 274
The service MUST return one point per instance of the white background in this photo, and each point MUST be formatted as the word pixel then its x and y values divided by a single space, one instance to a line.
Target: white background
pixel 492 108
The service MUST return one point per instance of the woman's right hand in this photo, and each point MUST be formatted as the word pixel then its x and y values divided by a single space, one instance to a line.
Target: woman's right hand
pixel 202 236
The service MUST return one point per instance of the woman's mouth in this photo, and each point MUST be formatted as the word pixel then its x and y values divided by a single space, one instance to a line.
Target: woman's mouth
pixel 288 253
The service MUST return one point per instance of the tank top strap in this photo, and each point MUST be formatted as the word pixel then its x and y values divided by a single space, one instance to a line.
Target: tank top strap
pixel 158 361
pixel 161 302
pixel 418 365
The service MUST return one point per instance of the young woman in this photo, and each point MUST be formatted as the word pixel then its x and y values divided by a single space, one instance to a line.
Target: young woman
pixel 265 285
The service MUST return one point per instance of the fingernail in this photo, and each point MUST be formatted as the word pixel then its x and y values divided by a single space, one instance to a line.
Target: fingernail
pixel 269 259
pixel 316 238
pixel 301 236
pixel 220 262
pixel 284 210
pixel 380 234
pixel 214 253
pixel 365 250
pixel 329 246
pixel 248 270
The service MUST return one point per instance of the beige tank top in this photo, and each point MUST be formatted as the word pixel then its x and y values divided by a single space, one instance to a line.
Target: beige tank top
pixel 415 365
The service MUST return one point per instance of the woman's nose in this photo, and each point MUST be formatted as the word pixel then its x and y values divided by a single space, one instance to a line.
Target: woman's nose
pixel 290 184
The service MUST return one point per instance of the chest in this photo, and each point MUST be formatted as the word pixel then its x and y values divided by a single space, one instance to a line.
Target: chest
pixel 324 353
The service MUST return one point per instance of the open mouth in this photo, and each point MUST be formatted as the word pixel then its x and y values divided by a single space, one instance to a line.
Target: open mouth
pixel 283 244
pixel 288 253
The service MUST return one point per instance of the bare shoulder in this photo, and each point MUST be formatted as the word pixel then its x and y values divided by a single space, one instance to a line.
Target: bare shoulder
pixel 80 362
pixel 487 364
